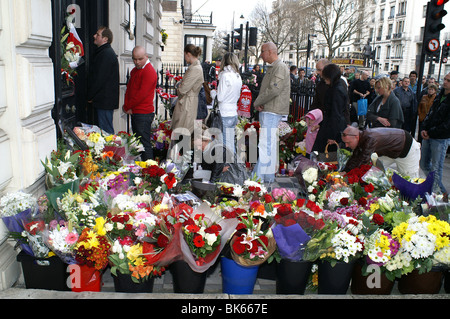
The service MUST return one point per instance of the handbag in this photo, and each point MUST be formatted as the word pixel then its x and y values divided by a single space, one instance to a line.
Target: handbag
pixel 362 107
pixel 215 119
pixel 329 157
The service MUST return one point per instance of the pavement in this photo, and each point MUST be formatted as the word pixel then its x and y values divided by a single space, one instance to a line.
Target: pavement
pixel 265 287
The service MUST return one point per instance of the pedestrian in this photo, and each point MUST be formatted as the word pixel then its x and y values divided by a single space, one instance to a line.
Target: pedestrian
pixel 407 102
pixel 272 104
pixel 413 81
pixel 425 105
pixel 139 99
pixel 394 78
pixel 392 145
pixel 301 76
pixel 372 92
pixel 293 73
pixel 321 86
pixel 103 89
pixel 385 110
pixel 360 89
pixel 436 135
pixel 185 111
pixel 313 120
pixel 228 93
pixel 335 102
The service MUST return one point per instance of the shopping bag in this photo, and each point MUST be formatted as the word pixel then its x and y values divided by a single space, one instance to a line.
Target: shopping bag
pixel 362 107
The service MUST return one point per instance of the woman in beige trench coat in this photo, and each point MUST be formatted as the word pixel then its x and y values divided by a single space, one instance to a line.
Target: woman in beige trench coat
pixel 185 111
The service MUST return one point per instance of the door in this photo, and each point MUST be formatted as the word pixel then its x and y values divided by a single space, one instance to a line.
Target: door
pixel 70 93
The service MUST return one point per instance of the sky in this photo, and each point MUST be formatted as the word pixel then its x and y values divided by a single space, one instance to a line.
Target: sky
pixel 223 11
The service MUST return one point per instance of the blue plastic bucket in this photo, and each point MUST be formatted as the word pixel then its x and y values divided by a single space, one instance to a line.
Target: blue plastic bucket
pixel 237 279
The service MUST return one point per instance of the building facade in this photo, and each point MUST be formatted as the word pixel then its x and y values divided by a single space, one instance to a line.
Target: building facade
pixel 33 95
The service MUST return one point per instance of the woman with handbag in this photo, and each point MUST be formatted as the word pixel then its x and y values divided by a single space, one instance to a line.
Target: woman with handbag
pixel 335 103
pixel 385 110
pixel 185 111
pixel 228 93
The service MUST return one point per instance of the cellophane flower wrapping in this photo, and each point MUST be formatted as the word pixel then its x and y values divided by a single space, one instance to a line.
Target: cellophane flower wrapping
pixel 412 191
pixel 15 209
pixel 290 241
pixel 60 236
pixel 377 178
pixel 227 228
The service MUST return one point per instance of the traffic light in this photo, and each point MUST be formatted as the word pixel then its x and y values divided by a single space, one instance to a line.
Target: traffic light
pixel 433 27
pixel 226 43
pixel 446 49
pixel 237 39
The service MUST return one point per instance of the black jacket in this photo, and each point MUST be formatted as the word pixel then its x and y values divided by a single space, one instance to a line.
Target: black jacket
pixel 334 121
pixel 437 121
pixel 103 89
pixel 391 110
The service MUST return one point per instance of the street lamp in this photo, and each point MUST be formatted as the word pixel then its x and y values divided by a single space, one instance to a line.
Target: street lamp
pixel 308 51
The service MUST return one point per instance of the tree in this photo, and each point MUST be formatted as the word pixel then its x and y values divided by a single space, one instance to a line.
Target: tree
pixel 337 20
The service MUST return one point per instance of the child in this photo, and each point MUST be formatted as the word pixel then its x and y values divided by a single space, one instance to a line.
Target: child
pixel 313 118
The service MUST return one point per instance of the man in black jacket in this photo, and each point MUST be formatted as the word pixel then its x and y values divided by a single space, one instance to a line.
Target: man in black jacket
pixel 103 90
pixel 436 135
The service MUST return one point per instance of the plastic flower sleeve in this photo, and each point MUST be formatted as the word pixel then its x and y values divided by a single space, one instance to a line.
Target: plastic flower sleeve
pixel 377 178
pixel 14 224
pixel 291 241
pixel 411 190
pixel 228 227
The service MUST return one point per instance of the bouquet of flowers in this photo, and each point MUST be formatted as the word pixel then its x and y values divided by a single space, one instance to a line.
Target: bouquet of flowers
pixel 74 208
pixel 16 209
pixel 161 135
pixel 61 168
pixel 202 237
pixel 127 257
pixel 251 245
pixel 295 224
pixel 420 239
pixel 61 237
pixel 335 242
pixel 93 247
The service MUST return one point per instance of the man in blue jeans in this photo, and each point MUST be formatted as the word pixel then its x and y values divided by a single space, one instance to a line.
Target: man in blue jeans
pixel 139 99
pixel 436 135
pixel 272 103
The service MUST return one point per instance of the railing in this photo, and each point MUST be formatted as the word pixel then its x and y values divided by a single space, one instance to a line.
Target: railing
pixel 198 19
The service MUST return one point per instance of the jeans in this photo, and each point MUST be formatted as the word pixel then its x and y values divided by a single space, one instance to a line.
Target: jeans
pixel 432 159
pixel 268 147
pixel 229 125
pixel 142 128
pixel 105 120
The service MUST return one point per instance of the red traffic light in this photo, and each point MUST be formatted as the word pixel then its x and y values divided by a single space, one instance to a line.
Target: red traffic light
pixel 440 2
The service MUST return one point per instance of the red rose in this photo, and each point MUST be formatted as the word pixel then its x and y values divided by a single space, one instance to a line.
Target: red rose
pixel 362 201
pixel 193 228
pixel 162 241
pixel 268 198
pixel 238 247
pixel 344 201
pixel 128 227
pixel 378 219
pixel 369 188
pixel 301 202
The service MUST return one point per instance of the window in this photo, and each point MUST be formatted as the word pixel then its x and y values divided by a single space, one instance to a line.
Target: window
pixel 388 52
pixel 198 40
pixel 392 12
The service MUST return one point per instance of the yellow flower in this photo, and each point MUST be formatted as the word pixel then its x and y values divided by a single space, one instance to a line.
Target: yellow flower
pixel 139 261
pixel 399 230
pixel 441 242
pixel 408 235
pixel 109 138
pixel 134 252
pixel 100 226
pixel 141 164
pixel 373 207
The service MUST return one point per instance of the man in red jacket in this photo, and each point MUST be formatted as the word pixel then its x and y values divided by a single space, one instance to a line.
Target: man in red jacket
pixel 139 99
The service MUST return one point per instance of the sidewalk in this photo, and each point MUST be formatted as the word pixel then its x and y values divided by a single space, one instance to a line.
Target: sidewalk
pixel 163 289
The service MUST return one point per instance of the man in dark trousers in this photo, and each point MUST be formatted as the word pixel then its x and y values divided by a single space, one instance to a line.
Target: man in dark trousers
pixel 139 99
pixel 103 90
pixel 408 103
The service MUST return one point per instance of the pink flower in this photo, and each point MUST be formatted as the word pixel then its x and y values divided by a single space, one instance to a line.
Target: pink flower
pixel 71 238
